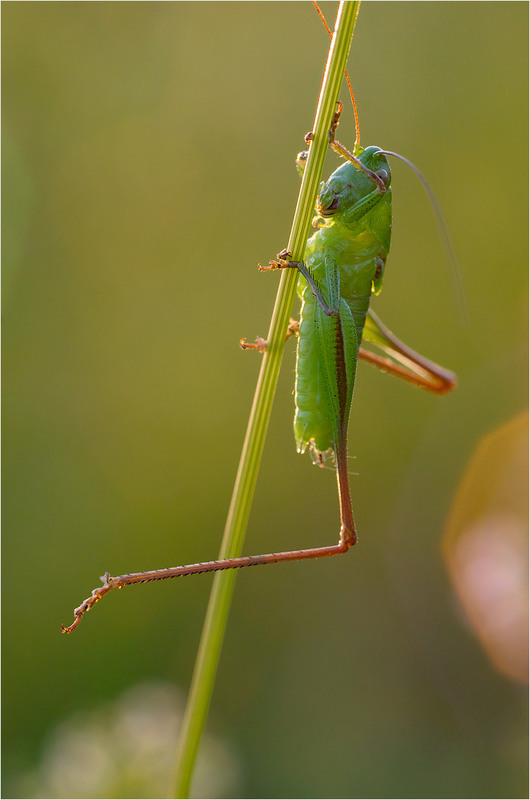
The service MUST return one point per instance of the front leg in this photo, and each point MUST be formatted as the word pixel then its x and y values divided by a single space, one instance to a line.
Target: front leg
pixel 260 344
pixel 301 158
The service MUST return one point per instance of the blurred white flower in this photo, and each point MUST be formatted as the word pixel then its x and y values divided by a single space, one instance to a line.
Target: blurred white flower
pixel 126 749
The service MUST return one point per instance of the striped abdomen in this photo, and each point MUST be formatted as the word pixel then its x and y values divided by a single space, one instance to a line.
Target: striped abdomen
pixel 359 254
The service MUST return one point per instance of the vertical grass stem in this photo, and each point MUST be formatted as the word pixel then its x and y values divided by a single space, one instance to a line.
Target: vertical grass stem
pixel 232 543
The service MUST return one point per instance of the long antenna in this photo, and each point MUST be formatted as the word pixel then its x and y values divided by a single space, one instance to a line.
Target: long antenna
pixel 455 268
pixel 357 130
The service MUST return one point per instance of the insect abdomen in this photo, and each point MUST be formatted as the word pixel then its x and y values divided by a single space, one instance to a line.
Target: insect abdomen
pixel 356 250
pixel 312 420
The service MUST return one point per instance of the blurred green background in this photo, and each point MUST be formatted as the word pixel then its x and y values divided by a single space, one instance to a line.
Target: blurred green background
pixel 148 165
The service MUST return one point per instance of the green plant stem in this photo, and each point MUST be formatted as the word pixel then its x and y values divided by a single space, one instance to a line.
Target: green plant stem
pixel 232 544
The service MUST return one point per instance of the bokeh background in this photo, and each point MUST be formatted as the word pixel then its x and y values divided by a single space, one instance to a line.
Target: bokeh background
pixel 148 154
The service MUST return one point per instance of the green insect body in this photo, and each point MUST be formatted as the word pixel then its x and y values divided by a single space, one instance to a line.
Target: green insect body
pixel 346 259
pixel 343 267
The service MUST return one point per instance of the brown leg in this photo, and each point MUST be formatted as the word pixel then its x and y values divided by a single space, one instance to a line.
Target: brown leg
pixel 345 542
pixel 402 361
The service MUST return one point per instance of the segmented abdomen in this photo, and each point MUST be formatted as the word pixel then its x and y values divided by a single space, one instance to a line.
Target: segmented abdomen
pixel 312 419
pixel 355 252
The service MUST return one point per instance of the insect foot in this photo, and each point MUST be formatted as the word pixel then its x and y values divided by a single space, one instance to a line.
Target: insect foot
pixel 273 265
pixel 260 344
pixel 86 605
pixel 293 329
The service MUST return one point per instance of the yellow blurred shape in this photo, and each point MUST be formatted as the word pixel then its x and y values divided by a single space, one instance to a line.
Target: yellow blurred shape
pixel 486 546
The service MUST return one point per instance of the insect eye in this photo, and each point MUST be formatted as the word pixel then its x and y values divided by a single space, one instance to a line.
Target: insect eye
pixel 383 174
pixel 334 205
pixel 329 209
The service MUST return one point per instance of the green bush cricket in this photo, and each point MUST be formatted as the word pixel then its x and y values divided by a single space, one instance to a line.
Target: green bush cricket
pixel 343 266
